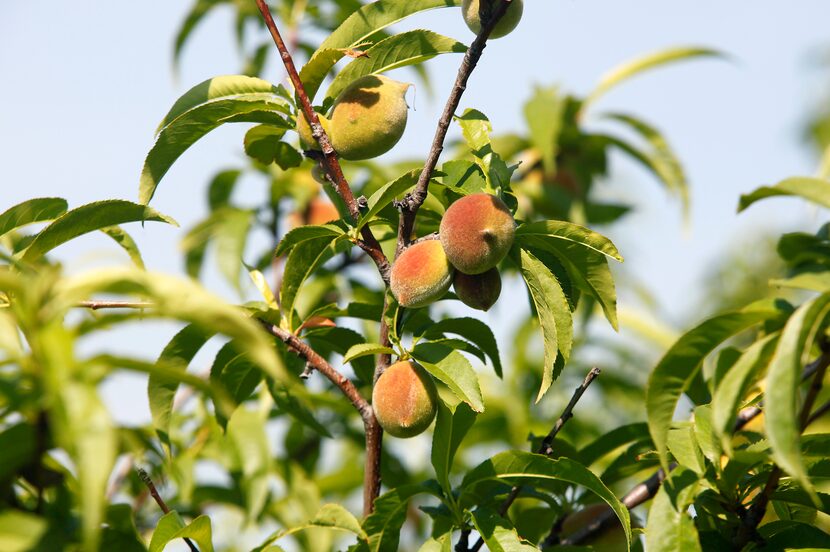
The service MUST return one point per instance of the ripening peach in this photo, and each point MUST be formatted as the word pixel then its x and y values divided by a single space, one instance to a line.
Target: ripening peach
pixel 421 274
pixel 368 117
pixel 479 291
pixel 508 22
pixel 319 211
pixel 612 539
pixel 405 399
pixel 477 231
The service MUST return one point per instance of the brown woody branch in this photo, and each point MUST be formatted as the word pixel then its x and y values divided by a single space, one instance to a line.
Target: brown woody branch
pixel 751 518
pixel 413 201
pixel 646 490
pixel 328 161
pixel 145 478
pixel 546 447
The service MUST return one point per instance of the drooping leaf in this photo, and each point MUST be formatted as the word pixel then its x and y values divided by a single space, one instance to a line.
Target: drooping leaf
pixel 498 533
pixel 230 234
pixel 171 527
pixel 782 421
pixel 473 330
pixel 246 433
pixel 304 259
pixel 234 98
pixel 568 231
pixel 553 312
pixel 127 243
pixel 386 194
pixel 732 388
pixel 816 190
pixel 305 233
pixel 661 157
pixel 669 525
pixel 400 50
pixel 264 143
pixel 636 66
pixel 33 210
pixel 88 218
pixel 451 426
pixel 678 367
pixel 543 115
pixel 356 29
pixel 524 467
pixel 365 349
pixel 453 369
pixel 161 391
pixel 383 525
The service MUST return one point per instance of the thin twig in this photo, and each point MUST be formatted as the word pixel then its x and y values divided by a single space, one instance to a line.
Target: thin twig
pixel 819 412
pixel 646 490
pixel 748 530
pixel 95 305
pixel 414 200
pixel 546 447
pixel 145 478
pixel 328 160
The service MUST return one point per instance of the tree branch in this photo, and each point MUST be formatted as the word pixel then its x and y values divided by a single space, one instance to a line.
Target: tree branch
pixel 646 490
pixel 145 478
pixel 546 447
pixel 413 201
pixel 328 160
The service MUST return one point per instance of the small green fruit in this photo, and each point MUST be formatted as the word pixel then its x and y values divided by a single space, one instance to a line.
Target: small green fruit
pixel 405 399
pixel 421 274
pixel 477 231
pixel 369 117
pixel 508 22
pixel 304 130
pixel 479 291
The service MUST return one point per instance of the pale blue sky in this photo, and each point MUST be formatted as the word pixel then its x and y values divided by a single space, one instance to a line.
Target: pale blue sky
pixel 86 83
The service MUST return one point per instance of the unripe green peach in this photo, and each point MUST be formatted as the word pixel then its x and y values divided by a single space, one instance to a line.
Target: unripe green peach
pixel 421 274
pixel 368 117
pixel 405 399
pixel 508 22
pixel 479 291
pixel 304 130
pixel 477 232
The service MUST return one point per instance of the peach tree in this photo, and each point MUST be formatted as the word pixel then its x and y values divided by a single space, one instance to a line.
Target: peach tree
pixel 365 330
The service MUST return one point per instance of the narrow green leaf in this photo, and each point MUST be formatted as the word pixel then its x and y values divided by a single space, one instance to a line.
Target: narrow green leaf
pixel 441 544
pixel 171 527
pixel 365 349
pixel 782 421
pixel 524 467
pixel 30 211
pixel 816 190
pixel 204 107
pixel 199 10
pixel 682 444
pixel 669 526
pixel 383 525
pixel 127 243
pixel 356 29
pixel 568 231
pixel 553 312
pixel 611 441
pixel 221 187
pixel 731 389
pixel 451 426
pixel 386 194
pixel 305 233
pixel 400 50
pixel 88 218
pixel 661 158
pixel 304 259
pixel 543 115
pixel 631 68
pixel 161 391
pixel 246 434
pixel 337 517
pixel 476 129
pixel 678 367
pixel 453 369
pixel 498 534
pixel 473 330
pixel 231 235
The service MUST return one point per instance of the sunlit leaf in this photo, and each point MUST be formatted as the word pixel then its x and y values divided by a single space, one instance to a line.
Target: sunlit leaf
pixel 816 190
